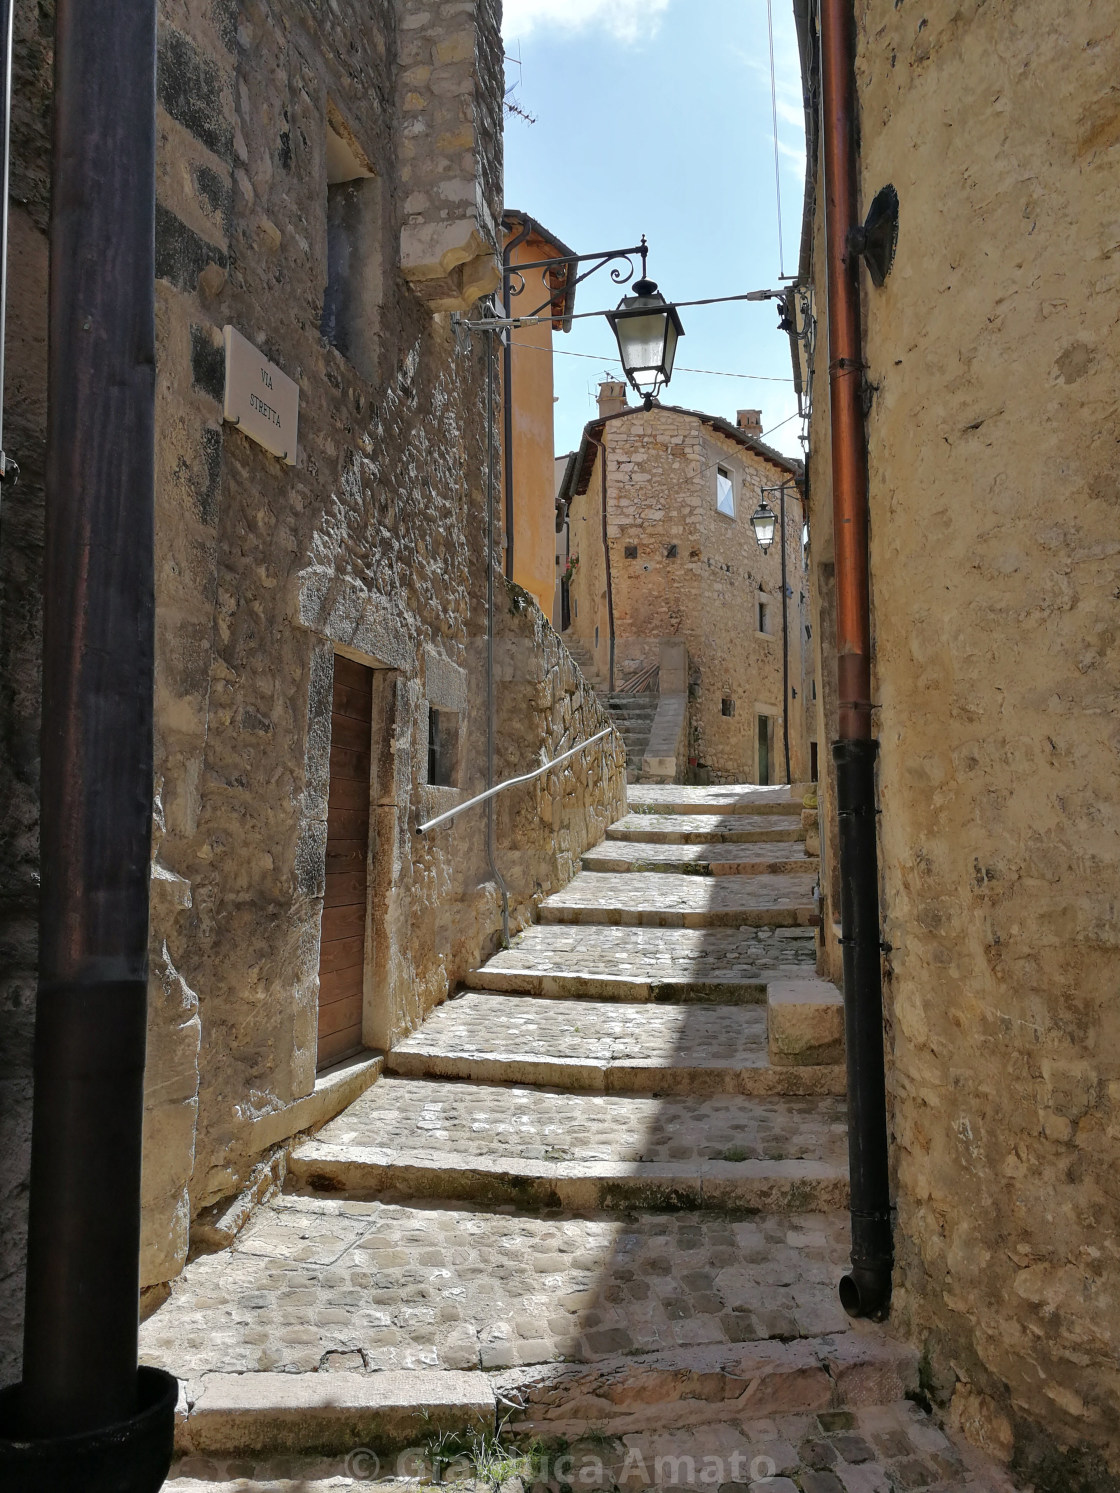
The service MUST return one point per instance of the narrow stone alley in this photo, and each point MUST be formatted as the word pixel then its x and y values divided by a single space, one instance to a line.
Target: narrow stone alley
pixel 598 1198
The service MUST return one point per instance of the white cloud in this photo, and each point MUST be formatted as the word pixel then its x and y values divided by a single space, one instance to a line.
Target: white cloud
pixel 626 20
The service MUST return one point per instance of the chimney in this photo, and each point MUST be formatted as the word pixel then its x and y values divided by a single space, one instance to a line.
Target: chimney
pixel 612 397
pixel 749 422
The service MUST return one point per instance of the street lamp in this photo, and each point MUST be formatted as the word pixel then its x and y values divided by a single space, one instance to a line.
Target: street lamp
pixel 647 329
pixel 764 521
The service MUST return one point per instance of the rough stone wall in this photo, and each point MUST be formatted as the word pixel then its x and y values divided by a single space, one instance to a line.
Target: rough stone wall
pixel 661 494
pixel 369 545
pixel 544 707
pixel 993 350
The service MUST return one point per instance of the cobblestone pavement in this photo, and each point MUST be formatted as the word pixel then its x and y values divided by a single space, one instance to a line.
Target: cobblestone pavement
pixel 736 955
pixel 885 1449
pixel 739 798
pixel 597 1031
pixel 431 1118
pixel 680 829
pixel 316 1283
pixel 660 899
pixel 711 857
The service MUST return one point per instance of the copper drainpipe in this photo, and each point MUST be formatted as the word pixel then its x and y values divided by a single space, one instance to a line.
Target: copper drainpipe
pixel 865 1291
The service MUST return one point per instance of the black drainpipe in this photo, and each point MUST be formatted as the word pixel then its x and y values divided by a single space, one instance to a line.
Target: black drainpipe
pixel 85 1416
pixel 507 395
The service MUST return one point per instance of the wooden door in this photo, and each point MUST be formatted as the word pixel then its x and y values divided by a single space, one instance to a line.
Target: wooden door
pixel 764 750
pixel 343 937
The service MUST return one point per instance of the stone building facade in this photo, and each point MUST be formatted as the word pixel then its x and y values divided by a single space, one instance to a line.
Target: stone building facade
pixel 991 365
pixel 329 184
pixel 661 547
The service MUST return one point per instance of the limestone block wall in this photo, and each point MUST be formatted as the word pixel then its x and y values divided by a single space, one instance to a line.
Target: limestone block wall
pixel 450 54
pixel 369 546
pixel 681 568
pixel 993 351
pixel 544 708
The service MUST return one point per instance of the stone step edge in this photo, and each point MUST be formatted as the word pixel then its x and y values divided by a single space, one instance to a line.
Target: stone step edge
pixel 804 1023
pixel 692 1387
pixel 790 808
pixel 798 916
pixel 383 1412
pixel 581 986
pixel 759 1080
pixel 366 1172
pixel 603 863
pixel 393 1411
pixel 617 836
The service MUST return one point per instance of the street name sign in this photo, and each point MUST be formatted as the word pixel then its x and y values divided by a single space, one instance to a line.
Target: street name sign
pixel 260 399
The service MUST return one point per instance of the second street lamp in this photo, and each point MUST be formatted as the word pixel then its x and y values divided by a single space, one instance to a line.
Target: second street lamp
pixel 764 521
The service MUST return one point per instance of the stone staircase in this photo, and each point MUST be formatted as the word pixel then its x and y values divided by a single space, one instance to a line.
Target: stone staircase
pixel 633 715
pixel 599 1198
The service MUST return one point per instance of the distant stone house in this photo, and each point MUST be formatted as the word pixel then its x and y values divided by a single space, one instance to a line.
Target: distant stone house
pixel 329 189
pixel 657 506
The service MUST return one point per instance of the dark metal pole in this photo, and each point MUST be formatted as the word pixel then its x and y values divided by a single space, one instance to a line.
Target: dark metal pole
pixel 785 631
pixel 80 1373
pixel 866 1290
pixel 9 470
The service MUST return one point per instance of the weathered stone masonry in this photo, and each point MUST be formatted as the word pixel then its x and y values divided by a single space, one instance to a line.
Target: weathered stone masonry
pixel 992 355
pixel 371 546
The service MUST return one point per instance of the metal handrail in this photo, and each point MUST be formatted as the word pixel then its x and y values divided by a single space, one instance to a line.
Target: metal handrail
pixel 527 777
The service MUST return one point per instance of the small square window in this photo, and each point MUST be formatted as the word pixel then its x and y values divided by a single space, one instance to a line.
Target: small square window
pixel 727 706
pixel 630 552
pixel 725 492
pixel 670 552
pixel 443 747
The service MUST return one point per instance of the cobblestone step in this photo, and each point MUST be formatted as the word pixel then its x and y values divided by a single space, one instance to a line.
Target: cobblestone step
pixel 669 798
pixel 863 1448
pixel 723 965
pixel 546 1148
pixel 702 859
pixel 689 1050
pixel 707 829
pixel 662 900
pixel 317 1284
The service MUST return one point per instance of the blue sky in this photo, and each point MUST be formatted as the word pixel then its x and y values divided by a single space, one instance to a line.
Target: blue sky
pixel 654 116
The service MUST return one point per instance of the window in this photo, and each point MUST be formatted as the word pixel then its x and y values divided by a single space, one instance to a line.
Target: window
pixel 814 687
pixel 443 747
pixel 813 761
pixel 725 492
pixel 596 637
pixel 352 294
pixel 630 552
pixel 727 706
pixel 670 552
pixel 763 617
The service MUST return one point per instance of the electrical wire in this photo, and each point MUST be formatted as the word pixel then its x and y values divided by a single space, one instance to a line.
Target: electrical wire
pixel 562 352
pixel 777 169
